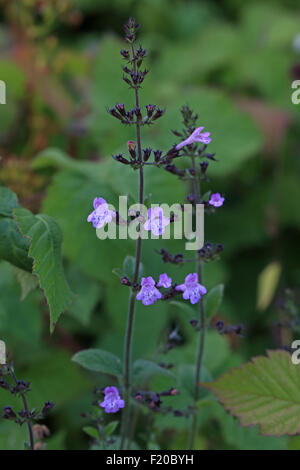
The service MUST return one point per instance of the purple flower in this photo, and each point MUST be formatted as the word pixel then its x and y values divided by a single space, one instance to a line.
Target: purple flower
pixel 157 222
pixel 196 136
pixel 102 214
pixel 148 293
pixel 164 281
pixel 112 401
pixel 216 200
pixel 191 288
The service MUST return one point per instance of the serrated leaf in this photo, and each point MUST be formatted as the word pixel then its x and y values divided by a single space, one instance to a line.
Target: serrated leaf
pixel 143 370
pixel 45 249
pixel 99 360
pixel 213 300
pixel 90 431
pixel 267 284
pixel 13 246
pixel 111 427
pixel 265 391
pixel 27 281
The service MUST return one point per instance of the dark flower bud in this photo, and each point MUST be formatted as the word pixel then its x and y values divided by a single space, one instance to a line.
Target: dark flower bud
pixel 121 109
pixel 178 134
pixel 124 53
pixel 219 325
pixel 126 80
pixel 8 413
pixel 126 69
pixel 150 108
pixel 121 159
pixel 191 198
pixel 174 391
pixel 175 170
pixel 203 166
pixel 178 258
pixel 157 155
pixel 219 248
pixel 202 253
pixel 147 153
pixel 194 322
pixel 125 281
pixel 208 246
pixel 131 149
pixel 114 113
pixel 22 414
pixel 138 397
pixel 4 385
pixel 130 115
pixel 178 413
pixel 158 114
pixel 48 405
pixel 138 112
pixel 192 171
pixel 141 52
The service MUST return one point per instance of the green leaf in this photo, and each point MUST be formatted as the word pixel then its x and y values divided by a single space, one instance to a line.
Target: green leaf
pixel 92 432
pixel 111 427
pixel 27 281
pixel 129 267
pixel 265 391
pixel 213 300
pixel 144 370
pixel 45 249
pixel 98 360
pixel 185 307
pixel 13 246
pixel 267 285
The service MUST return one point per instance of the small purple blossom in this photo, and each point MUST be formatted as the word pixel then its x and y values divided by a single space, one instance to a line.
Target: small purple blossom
pixel 102 214
pixel 196 136
pixel 148 293
pixel 112 402
pixel 164 281
pixel 156 222
pixel 191 289
pixel 216 200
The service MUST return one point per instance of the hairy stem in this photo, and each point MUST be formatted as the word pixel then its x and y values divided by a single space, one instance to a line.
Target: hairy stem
pixel 28 421
pixel 132 297
pixel 199 266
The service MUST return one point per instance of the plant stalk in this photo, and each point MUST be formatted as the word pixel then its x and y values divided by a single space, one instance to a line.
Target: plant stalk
pixel 132 297
pixel 199 265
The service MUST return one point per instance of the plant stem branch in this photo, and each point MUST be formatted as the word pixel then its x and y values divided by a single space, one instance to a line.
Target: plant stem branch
pixel 132 297
pixel 24 399
pixel 199 264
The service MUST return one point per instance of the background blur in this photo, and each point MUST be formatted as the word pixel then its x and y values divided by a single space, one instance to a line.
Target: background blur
pixel 233 62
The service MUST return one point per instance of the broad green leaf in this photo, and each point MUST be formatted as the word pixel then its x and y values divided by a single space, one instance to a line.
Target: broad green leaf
pixel 92 432
pixel 88 293
pixel 265 391
pixel 45 249
pixel 111 427
pixel 13 246
pixel 129 267
pixel 267 285
pixel 213 300
pixel 185 307
pixel 98 360
pixel 144 370
pixel 27 281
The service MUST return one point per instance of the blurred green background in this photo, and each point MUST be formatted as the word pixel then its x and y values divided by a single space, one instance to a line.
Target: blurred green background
pixel 233 62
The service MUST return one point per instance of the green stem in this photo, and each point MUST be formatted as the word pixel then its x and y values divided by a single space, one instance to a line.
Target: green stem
pixel 193 430
pixel 132 297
